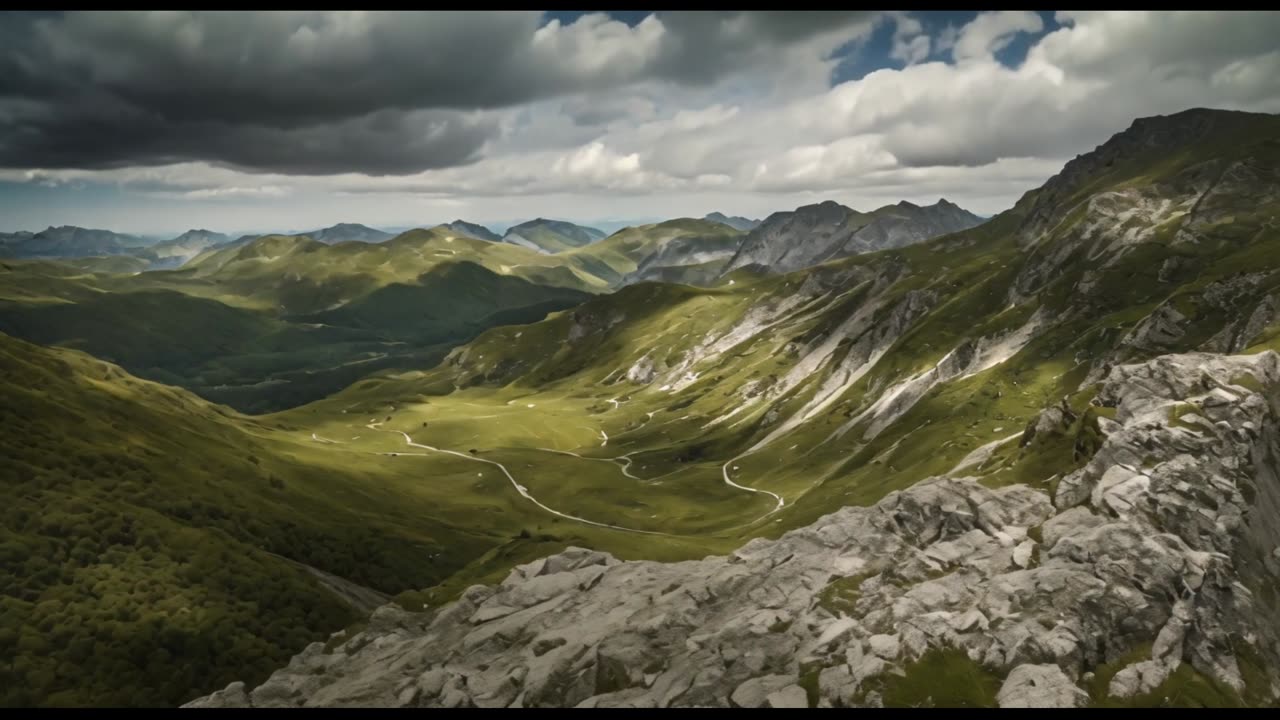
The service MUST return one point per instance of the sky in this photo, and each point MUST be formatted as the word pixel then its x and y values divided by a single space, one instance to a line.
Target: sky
pixel 237 121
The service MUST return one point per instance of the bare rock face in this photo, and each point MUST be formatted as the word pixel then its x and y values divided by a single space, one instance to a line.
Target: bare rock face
pixel 812 234
pixel 1237 335
pixel 643 372
pixel 1040 686
pixel 1157 541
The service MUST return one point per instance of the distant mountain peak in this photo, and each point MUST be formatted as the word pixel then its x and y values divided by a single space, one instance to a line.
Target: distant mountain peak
pixel 824 231
pixel 68 241
pixel 193 232
pixel 736 222
pixel 824 205
pixel 473 230
pixel 348 232
pixel 552 236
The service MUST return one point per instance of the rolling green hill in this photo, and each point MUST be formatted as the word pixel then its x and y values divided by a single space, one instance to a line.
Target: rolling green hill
pixel 283 320
pixel 666 243
pixel 551 236
pixel 449 301
pixel 296 275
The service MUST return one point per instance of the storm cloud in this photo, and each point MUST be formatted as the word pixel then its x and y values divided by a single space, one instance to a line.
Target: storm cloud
pixel 331 92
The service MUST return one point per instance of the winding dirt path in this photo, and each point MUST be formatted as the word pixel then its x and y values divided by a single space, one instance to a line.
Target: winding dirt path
pixel 724 472
pixel 524 492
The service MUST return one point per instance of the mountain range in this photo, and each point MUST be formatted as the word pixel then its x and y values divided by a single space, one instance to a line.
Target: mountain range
pixel 840 458
pixel 812 234
pixel 66 241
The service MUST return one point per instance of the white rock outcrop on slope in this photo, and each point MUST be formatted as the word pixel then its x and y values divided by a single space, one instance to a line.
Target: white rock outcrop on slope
pixel 1114 563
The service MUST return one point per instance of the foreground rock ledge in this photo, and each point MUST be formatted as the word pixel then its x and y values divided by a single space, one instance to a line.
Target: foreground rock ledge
pixel 1155 543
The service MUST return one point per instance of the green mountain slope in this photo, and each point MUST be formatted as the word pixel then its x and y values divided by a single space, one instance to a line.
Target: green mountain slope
pixel 148 535
pixel 673 242
pixel 551 236
pixel 302 276
pixel 137 524
pixel 450 301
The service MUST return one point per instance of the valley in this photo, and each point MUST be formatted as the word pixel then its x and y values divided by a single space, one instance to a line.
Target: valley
pixel 833 424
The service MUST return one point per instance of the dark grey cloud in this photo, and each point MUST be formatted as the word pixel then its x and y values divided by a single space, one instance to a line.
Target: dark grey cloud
pixel 702 46
pixel 330 92
pixel 283 69
pixel 110 134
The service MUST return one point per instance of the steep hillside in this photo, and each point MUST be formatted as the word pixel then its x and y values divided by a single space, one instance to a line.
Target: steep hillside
pixel 694 260
pixel 155 546
pixel 551 236
pixel 622 257
pixel 138 533
pixel 1035 352
pixel 812 234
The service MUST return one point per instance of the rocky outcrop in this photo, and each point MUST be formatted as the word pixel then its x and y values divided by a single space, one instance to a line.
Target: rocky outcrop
pixel 812 234
pixel 1238 334
pixel 642 372
pixel 1153 542
pixel 1237 306
pixel 1086 215
pixel 1150 137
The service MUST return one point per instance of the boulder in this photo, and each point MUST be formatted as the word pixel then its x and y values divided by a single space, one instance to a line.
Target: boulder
pixel 1040 686
pixel 791 696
